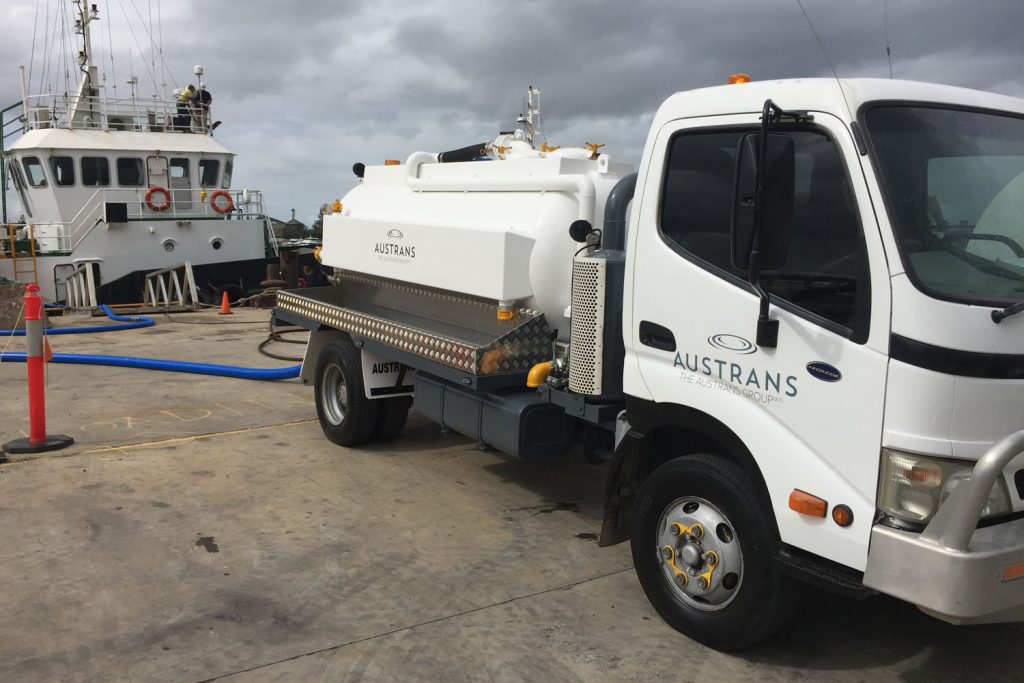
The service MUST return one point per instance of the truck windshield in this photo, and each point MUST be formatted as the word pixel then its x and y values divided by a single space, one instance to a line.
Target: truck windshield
pixel 955 185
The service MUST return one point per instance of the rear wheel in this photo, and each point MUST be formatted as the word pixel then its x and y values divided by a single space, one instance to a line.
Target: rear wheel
pixel 391 416
pixel 703 544
pixel 347 417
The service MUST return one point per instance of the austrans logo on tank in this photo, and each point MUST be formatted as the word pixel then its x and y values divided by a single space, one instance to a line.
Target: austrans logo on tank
pixel 726 369
pixel 394 248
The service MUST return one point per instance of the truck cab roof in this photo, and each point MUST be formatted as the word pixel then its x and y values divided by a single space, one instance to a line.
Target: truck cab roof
pixel 823 94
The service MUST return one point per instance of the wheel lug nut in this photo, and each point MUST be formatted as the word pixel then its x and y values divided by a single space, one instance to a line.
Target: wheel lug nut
pixel 675 530
pixel 703 583
pixel 666 552
pixel 681 580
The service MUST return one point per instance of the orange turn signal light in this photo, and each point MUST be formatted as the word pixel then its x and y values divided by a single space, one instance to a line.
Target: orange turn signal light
pixel 842 515
pixel 806 504
pixel 1013 571
pixel 738 78
pixel 392 162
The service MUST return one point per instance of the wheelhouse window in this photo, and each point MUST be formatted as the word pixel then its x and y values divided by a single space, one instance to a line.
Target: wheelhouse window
pixel 208 169
pixel 19 184
pixel 225 180
pixel 34 171
pixel 130 172
pixel 825 272
pixel 95 171
pixel 63 169
pixel 954 180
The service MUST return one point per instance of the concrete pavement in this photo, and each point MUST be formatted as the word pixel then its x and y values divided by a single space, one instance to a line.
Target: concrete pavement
pixel 203 529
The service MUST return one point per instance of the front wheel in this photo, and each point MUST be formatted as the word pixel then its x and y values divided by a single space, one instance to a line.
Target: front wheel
pixel 703 545
pixel 347 417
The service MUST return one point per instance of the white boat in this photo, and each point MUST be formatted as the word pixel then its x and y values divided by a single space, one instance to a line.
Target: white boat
pixel 112 188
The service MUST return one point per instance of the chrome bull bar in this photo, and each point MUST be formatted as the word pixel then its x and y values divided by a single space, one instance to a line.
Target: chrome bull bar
pixel 954 570
pixel 957 517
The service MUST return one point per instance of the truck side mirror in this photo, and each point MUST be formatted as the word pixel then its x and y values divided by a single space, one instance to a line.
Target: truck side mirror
pixel 778 171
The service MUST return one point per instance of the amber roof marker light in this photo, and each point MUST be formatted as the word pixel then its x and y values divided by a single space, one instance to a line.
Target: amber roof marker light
pixel 738 78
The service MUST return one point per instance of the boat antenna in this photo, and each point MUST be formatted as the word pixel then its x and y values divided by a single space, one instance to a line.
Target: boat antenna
pixel 32 63
pixel 885 29
pixel 531 119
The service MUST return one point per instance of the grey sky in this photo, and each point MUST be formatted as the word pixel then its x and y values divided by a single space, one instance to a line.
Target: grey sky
pixel 308 88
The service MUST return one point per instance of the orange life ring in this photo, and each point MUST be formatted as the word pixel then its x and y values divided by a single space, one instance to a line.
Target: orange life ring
pixel 223 207
pixel 158 207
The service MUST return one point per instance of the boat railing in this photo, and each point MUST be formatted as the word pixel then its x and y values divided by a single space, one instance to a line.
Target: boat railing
pixel 129 206
pixel 114 113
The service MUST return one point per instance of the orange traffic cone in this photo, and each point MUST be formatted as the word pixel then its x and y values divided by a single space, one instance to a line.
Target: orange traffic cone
pixel 225 307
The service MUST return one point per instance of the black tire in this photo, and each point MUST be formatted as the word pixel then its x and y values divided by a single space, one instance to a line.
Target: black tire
pixel 207 296
pixel 347 417
pixel 764 597
pixel 234 293
pixel 391 416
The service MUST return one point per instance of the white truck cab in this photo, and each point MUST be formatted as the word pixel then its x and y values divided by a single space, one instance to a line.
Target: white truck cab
pixel 805 343
pixel 889 377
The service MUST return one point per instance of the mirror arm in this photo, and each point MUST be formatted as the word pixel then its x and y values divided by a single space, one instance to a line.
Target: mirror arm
pixel 767 329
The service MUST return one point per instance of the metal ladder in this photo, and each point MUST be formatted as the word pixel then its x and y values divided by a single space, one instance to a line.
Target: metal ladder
pixel 171 286
pixel 11 251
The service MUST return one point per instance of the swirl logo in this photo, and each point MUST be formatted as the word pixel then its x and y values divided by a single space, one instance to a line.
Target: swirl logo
pixel 732 342
pixel 395 234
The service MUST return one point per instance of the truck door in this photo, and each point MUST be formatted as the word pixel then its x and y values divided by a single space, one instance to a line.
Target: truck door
pixel 809 410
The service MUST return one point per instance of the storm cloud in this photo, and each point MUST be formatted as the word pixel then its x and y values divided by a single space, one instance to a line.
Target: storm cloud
pixel 306 89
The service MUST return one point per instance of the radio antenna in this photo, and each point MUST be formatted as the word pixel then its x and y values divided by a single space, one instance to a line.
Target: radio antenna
pixel 827 58
pixel 885 29
pixel 818 38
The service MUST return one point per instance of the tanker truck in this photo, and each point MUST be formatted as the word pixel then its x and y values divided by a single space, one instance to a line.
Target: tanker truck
pixel 791 333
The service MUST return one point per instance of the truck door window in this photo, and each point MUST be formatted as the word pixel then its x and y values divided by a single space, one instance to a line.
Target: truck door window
pixel 825 273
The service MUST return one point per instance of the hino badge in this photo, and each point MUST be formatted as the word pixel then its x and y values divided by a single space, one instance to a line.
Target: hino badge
pixel 792 334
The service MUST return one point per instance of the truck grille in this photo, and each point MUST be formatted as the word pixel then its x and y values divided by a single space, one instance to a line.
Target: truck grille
pixel 587 334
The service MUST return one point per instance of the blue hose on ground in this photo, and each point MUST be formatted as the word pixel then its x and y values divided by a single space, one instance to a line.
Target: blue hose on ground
pixel 165 365
pixel 126 322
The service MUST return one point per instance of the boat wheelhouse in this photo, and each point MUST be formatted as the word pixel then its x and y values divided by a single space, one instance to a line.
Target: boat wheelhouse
pixel 114 188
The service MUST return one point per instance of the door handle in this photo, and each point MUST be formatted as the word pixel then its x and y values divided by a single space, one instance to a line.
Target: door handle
pixel 657 336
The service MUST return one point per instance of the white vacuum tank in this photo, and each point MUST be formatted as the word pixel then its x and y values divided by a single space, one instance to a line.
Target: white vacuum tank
pixel 492 229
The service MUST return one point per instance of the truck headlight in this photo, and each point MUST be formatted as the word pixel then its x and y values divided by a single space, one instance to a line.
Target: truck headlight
pixel 912 487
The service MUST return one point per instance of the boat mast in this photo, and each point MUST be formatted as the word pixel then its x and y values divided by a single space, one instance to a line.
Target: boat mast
pixel 83 111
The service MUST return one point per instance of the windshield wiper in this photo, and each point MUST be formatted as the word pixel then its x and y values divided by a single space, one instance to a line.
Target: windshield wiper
pixel 1000 316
